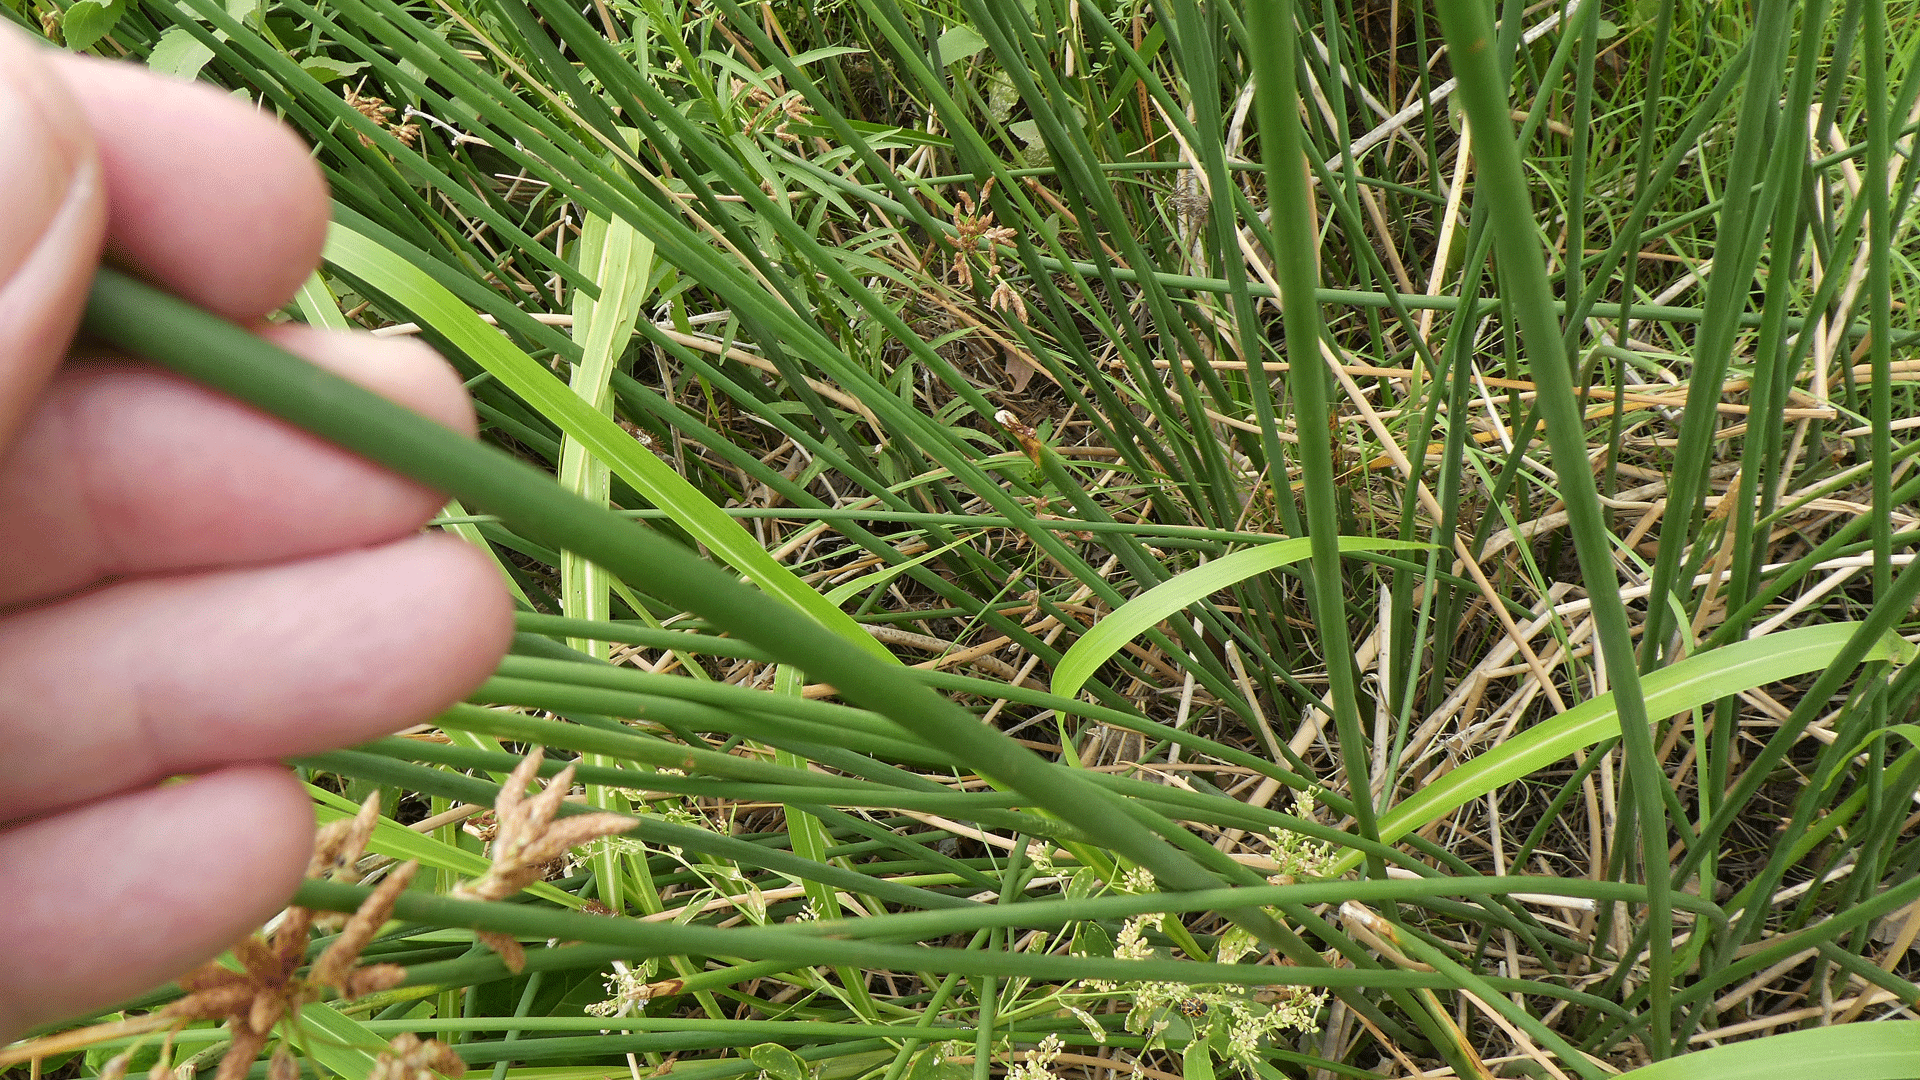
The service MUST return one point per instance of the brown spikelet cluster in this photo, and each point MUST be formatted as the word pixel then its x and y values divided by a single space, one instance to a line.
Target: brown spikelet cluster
pixel 409 1057
pixel 768 113
pixel 528 839
pixel 253 1000
pixel 971 224
pixel 377 110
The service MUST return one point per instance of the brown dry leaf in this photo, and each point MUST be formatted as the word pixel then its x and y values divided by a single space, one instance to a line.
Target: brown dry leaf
pixel 1019 372
pixel 1028 438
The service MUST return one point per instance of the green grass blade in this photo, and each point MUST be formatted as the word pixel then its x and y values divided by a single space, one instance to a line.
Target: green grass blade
pixel 339 1041
pixel 1296 254
pixel 1148 609
pixel 1889 1050
pixel 1484 93
pixel 1691 683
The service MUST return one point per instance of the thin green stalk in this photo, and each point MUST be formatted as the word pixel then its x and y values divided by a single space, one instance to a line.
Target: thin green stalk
pixel 1516 235
pixel 1271 41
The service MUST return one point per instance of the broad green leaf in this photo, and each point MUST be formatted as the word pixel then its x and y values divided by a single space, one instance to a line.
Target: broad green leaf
pixel 931 1064
pixel 179 54
pixel 1196 1061
pixel 434 305
pixel 327 69
pixel 1886 1050
pixel 1147 610
pixel 778 1062
pixel 959 43
pixel 87 21
pixel 1689 684
pixel 395 840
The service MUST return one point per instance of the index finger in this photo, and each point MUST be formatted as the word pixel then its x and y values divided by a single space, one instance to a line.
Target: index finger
pixel 208 197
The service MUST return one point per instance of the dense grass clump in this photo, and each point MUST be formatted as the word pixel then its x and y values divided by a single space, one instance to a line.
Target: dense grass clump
pixel 1295 540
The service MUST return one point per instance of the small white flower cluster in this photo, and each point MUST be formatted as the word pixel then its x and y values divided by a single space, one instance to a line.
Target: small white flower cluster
pixel 1246 1021
pixel 1038 1063
pixel 1298 855
pixel 628 989
pixel 1130 945
pixel 1041 857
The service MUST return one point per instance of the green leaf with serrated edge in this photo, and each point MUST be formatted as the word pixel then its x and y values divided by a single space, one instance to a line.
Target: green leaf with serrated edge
pixel 1885 1050
pixel 1691 683
pixel 1147 610
pixel 327 69
pixel 1196 1061
pixel 179 54
pixel 959 43
pixel 432 304
pixel 778 1062
pixel 86 22
pixel 395 840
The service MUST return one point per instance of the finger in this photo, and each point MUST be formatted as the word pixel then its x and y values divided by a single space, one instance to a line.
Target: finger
pixel 50 229
pixel 123 469
pixel 121 686
pixel 115 897
pixel 212 199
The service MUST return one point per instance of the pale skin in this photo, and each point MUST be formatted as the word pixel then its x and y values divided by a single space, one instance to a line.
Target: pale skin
pixel 187 587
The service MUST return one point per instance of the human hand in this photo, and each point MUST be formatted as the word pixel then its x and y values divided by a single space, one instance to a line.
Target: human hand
pixel 186 585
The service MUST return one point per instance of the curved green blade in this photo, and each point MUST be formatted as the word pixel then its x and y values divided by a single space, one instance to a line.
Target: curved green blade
pixel 1888 1050
pixel 1145 611
pixel 1689 684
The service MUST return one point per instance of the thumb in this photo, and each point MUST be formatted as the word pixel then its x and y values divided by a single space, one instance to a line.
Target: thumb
pixel 52 227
